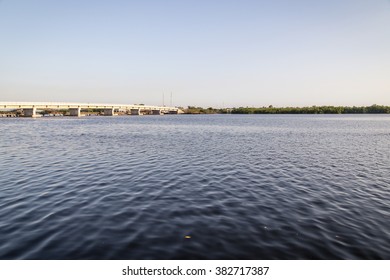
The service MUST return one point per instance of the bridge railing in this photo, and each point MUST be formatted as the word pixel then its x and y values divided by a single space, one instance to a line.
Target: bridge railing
pixel 29 108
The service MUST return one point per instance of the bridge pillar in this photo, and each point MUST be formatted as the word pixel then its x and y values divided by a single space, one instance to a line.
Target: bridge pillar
pixel 109 112
pixel 75 112
pixel 135 111
pixel 31 112
pixel 156 112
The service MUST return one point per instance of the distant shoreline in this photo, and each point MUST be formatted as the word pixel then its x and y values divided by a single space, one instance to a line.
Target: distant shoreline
pixel 373 109
pixel 191 110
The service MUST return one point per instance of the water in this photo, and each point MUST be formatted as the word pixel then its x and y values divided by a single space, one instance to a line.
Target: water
pixel 242 187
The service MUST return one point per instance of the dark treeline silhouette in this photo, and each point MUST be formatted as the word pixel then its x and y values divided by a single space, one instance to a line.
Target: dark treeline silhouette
pixel 199 110
pixel 373 109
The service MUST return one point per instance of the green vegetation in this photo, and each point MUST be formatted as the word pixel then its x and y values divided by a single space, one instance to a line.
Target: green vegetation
pixel 200 110
pixel 373 109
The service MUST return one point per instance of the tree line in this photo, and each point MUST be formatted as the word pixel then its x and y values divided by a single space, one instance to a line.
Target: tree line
pixel 373 109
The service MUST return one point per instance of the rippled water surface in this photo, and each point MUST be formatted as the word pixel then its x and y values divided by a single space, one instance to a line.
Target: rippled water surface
pixel 195 187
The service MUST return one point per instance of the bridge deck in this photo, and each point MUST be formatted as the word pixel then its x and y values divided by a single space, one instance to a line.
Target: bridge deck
pixel 64 105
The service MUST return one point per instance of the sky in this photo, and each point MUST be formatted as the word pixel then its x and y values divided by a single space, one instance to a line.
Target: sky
pixel 213 53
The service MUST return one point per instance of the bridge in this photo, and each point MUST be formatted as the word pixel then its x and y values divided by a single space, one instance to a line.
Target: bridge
pixel 30 108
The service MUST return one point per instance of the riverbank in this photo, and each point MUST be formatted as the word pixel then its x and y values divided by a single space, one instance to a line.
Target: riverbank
pixel 192 110
pixel 373 109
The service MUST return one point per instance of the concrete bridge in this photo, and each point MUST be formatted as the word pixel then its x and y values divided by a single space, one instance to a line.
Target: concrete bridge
pixel 30 108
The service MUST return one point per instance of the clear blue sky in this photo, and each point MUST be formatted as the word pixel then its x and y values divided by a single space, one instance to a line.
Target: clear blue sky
pixel 207 53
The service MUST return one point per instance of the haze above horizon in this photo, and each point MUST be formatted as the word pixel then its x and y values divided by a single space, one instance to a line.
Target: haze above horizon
pixel 206 53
